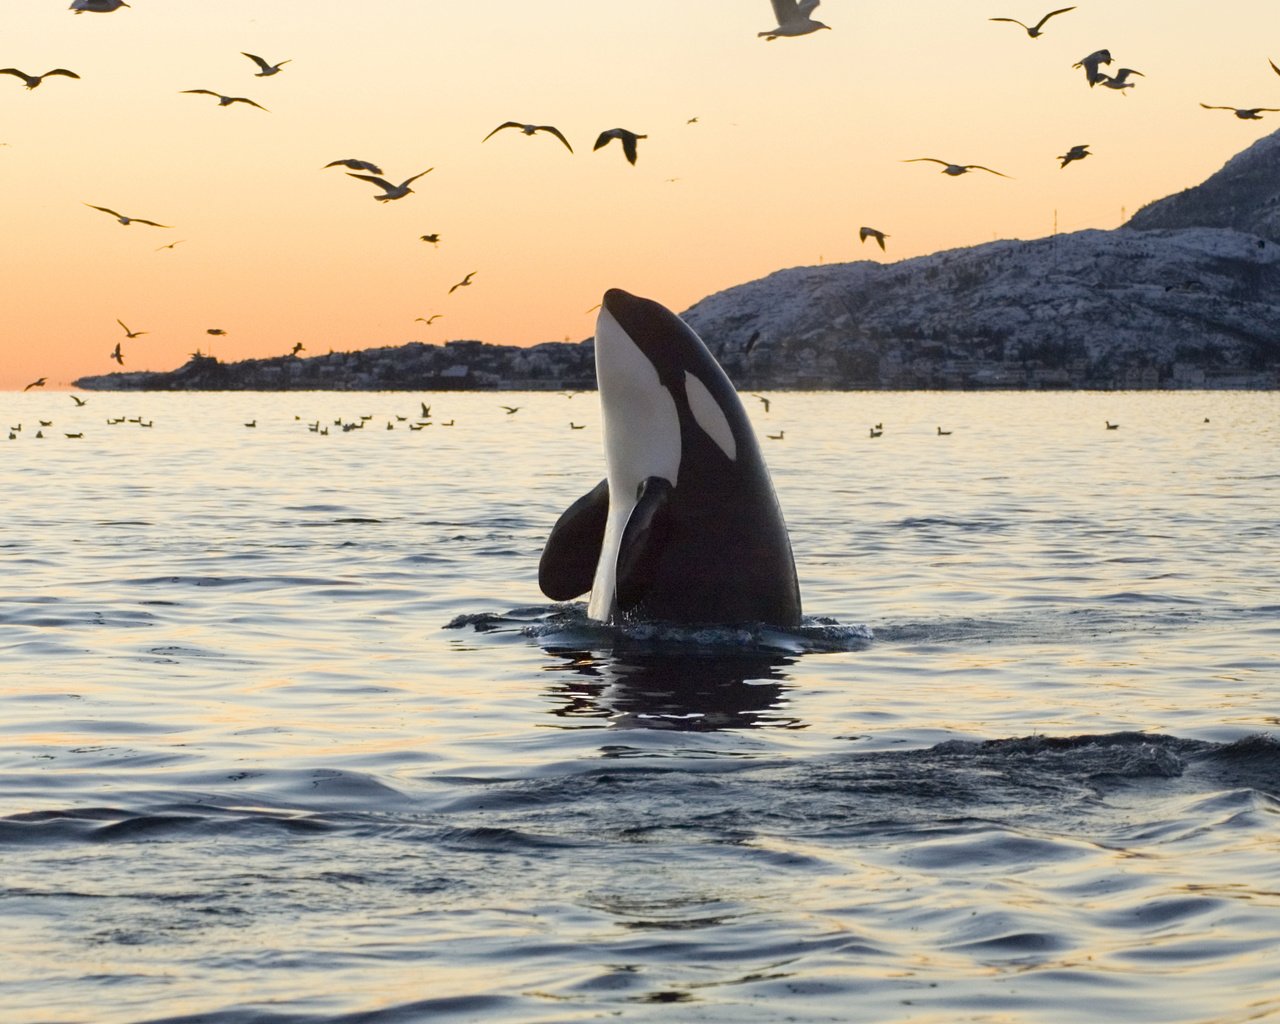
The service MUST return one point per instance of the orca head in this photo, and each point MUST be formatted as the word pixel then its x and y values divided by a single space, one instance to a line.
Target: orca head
pixel 658 384
pixel 650 368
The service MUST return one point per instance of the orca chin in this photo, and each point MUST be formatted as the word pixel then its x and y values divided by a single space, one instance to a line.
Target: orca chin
pixel 685 527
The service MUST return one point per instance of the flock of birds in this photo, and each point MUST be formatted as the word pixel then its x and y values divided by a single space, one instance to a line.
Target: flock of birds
pixel 1091 64
pixel 794 18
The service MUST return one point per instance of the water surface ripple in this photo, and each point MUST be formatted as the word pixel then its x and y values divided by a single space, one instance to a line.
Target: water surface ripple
pixel 290 736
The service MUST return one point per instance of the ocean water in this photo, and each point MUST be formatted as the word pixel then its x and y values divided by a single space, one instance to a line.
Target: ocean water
pixel 288 734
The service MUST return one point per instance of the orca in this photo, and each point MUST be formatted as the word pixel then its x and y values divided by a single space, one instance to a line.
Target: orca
pixel 685 527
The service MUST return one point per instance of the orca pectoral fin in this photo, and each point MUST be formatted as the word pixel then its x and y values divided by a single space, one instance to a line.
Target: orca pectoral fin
pixel 643 541
pixel 568 564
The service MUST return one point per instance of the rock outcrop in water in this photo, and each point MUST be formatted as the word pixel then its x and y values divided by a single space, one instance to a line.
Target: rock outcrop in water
pixel 1186 294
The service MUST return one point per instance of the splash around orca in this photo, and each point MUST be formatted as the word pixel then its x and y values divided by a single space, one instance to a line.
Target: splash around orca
pixel 685 527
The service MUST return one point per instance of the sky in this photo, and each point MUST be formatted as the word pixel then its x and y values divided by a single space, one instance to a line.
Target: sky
pixel 797 143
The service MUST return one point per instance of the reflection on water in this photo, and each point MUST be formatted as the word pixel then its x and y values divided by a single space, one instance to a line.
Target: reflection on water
pixel 657 690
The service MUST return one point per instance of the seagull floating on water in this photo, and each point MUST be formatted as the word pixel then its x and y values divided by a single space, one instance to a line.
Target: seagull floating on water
pixel 34 80
pixel 96 6
pixel 1035 30
pixel 390 191
pixel 356 165
pixel 529 129
pixel 126 221
pixel 128 333
pixel 1074 153
pixel 953 169
pixel 864 233
pixel 1246 113
pixel 267 69
pixel 1090 65
pixel 628 140
pixel 463 283
pixel 225 101
pixel 793 19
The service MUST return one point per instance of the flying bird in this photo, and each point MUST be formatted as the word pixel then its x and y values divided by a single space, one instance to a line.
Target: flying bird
pixel 628 140
pixel 1273 66
pixel 1090 65
pixel 1117 81
pixel 225 101
pixel 879 236
pixel 793 19
pixel 428 319
pixel 171 244
pixel 1245 113
pixel 390 191
pixel 96 6
pixel 128 333
pixel 433 238
pixel 529 129
pixel 213 330
pixel 763 400
pixel 1074 153
pixel 512 408
pixel 1035 30
pixel 267 69
pixel 78 400
pixel 36 384
pixel 463 283
pixel 117 355
pixel 297 347
pixel 34 80
pixel 126 221
pixel 355 165
pixel 955 170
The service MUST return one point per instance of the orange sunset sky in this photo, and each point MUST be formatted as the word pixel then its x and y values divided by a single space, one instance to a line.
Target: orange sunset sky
pixel 797 143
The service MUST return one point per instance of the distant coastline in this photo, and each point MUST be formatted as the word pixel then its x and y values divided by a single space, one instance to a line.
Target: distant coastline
pixel 1185 296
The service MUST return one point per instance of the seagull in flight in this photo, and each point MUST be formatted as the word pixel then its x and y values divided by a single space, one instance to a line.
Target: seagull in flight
pixel 1074 153
pixel 1034 31
pixel 879 236
pixel 225 101
pixel 171 244
pixel 628 140
pixel 529 129
pixel 1090 65
pixel 428 319
pixel 34 80
pixel 214 330
pixel 78 400
pixel 267 69
pixel 126 221
pixel 128 333
pixel 298 347
pixel 389 190
pixel 463 283
pixel 1117 81
pixel 96 6
pixel 793 19
pixel 355 165
pixel 1245 113
pixel 36 384
pixel 117 355
pixel 955 170
pixel 433 238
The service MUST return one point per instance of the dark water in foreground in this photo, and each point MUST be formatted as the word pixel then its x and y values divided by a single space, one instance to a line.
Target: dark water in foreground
pixel 289 735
